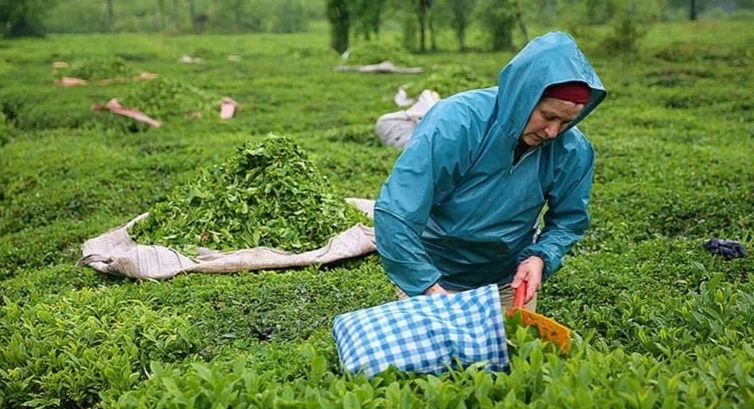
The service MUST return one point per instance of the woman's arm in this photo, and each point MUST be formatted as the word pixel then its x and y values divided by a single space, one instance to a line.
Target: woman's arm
pixel 437 156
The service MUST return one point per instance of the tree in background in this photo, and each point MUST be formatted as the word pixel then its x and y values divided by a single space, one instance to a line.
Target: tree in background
pixel 432 24
pixel 459 14
pixel 21 18
pixel 409 27
pixel 629 24
pixel 183 16
pixel 498 17
pixel 693 9
pixel 248 15
pixel 518 15
pixel 422 10
pixel 338 14
pixel 197 24
pixel 162 12
pixel 367 17
pixel 543 12
pixel 578 15
pixel 110 15
pixel 418 19
pixel 177 15
pixel 289 16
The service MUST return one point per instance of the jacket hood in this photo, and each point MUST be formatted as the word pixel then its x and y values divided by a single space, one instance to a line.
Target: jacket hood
pixel 553 58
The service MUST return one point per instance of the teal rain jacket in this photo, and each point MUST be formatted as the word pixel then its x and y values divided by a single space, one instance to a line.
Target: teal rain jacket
pixel 457 210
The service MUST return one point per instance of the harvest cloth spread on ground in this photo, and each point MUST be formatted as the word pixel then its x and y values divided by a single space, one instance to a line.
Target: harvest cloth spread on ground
pixel 424 334
pixel 115 252
pixel 385 67
pixel 73 82
pixel 115 107
pixel 227 111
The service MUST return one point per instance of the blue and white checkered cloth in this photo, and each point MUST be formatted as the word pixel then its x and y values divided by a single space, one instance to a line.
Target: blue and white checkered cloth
pixel 424 334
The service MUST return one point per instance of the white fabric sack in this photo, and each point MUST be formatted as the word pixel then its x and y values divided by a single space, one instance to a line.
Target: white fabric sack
pixel 401 98
pixel 395 129
pixel 115 252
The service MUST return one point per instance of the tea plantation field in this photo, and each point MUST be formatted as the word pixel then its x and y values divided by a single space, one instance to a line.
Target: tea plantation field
pixel 659 322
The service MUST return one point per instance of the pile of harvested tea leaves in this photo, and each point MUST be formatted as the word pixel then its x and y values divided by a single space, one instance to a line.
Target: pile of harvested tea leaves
pixel 375 53
pixel 266 194
pixel 166 98
pixel 98 68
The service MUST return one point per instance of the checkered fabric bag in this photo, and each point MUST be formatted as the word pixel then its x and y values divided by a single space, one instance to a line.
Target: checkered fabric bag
pixel 424 334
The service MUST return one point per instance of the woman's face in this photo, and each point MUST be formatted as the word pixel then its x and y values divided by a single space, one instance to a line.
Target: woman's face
pixel 550 117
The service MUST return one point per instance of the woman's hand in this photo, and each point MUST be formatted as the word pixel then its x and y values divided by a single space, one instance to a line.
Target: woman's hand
pixel 530 270
pixel 435 289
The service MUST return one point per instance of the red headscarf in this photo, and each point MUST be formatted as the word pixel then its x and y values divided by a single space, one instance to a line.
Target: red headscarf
pixel 575 91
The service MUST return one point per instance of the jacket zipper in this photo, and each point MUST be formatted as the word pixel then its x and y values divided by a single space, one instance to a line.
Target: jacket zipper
pixel 524 156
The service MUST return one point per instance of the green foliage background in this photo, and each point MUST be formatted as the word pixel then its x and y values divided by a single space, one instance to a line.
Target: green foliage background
pixel 660 323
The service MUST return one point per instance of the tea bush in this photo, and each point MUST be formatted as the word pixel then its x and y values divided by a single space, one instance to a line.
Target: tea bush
pixel 40 107
pixel 108 341
pixel 4 129
pixel 594 379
